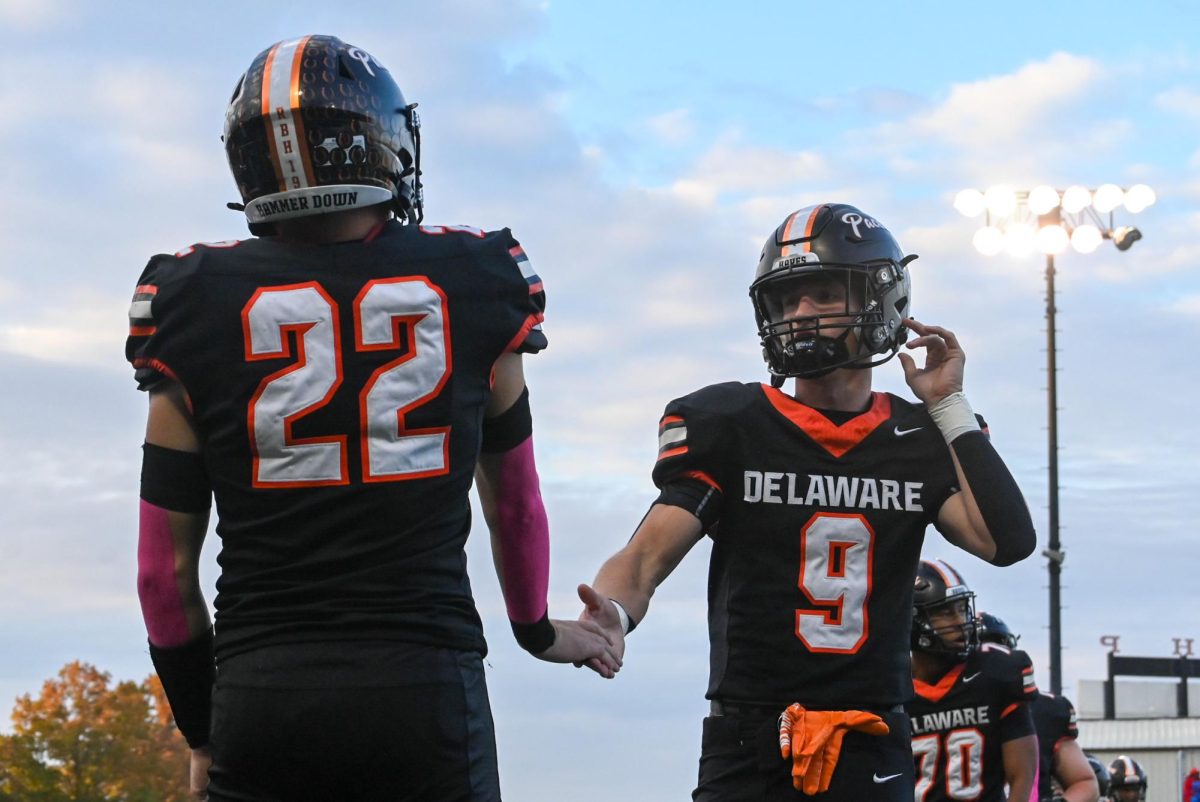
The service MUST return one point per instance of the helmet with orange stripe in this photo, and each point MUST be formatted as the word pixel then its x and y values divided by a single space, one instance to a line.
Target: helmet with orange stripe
pixel 943 611
pixel 854 276
pixel 1127 779
pixel 316 126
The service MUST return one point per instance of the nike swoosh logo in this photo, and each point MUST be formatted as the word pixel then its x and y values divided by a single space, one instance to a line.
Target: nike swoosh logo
pixel 901 432
pixel 973 676
pixel 879 779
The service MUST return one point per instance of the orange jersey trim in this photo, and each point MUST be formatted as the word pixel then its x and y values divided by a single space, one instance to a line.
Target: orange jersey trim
pixel 701 476
pixel 935 692
pixel 1010 709
pixel 673 452
pixel 835 439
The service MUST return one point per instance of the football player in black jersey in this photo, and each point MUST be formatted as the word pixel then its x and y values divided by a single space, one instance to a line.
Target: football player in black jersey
pixel 972 729
pixel 817 504
pixel 336 383
pixel 1126 780
pixel 1060 758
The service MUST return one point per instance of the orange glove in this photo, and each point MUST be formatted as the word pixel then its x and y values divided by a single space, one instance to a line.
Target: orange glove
pixel 813 740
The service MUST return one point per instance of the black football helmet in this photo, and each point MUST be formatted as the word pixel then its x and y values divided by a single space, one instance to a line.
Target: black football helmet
pixel 992 629
pixel 1101 771
pixel 317 126
pixel 937 586
pixel 1126 773
pixel 838 241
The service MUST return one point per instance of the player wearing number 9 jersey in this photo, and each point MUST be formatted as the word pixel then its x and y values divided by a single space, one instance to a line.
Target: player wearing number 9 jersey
pixel 817 504
pixel 337 383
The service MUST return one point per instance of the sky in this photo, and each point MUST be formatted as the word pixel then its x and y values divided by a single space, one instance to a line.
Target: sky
pixel 641 152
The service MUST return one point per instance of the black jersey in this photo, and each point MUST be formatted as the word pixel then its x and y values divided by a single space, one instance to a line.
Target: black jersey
pixel 339 392
pixel 1054 720
pixel 816 542
pixel 960 723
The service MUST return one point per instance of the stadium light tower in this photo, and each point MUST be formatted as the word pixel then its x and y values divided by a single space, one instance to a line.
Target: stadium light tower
pixel 1046 220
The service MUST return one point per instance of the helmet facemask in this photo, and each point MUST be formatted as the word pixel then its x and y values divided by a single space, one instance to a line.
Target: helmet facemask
pixel 955 639
pixel 851 330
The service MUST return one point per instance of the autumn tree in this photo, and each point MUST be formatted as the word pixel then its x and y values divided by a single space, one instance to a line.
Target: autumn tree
pixel 85 739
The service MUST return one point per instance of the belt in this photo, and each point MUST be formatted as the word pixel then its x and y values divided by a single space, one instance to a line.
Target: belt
pixel 719 707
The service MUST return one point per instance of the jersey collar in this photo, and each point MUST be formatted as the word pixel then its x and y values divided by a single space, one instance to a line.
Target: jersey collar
pixel 835 439
pixel 935 693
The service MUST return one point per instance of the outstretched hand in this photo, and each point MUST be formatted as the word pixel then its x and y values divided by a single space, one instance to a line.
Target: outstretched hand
pixel 584 642
pixel 942 373
pixel 599 610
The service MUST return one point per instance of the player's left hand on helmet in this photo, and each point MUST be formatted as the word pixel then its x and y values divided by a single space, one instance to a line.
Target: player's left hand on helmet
pixel 583 642
pixel 942 373
pixel 813 740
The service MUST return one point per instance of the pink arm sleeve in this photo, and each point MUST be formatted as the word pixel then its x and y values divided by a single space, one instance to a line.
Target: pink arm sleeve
pixel 158 590
pixel 522 534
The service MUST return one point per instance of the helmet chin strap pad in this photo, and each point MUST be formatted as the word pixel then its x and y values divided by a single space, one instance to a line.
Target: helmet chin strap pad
pixel 818 356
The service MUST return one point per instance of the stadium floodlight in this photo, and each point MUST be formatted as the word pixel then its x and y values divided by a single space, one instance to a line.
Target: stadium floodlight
pixel 970 203
pixel 1043 199
pixel 1107 198
pixel 1001 201
pixel 1076 199
pixel 1125 236
pixel 1072 218
pixel 1019 239
pixel 1052 239
pixel 1138 197
pixel 1086 238
pixel 988 240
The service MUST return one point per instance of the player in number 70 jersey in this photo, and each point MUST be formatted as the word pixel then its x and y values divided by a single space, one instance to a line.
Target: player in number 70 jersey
pixel 973 731
pixel 817 504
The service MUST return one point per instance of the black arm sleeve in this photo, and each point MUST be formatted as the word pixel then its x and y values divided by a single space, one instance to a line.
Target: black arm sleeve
pixel 697 497
pixel 187 673
pixel 998 497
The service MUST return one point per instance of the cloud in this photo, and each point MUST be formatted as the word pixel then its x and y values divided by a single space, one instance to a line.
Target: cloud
pixel 81 327
pixel 732 166
pixel 36 15
pixel 1188 305
pixel 673 127
pixel 1182 101
pixel 1008 109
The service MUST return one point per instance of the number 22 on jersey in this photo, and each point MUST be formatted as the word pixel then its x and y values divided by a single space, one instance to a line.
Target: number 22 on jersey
pixel 390 451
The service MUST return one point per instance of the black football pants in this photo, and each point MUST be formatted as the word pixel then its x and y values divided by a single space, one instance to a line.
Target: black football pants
pixel 740 762
pixel 352 721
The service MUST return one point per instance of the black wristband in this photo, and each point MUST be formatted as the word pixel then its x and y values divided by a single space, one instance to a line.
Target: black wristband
pixel 537 637
pixel 187 673
pixel 510 428
pixel 175 480
pixel 999 499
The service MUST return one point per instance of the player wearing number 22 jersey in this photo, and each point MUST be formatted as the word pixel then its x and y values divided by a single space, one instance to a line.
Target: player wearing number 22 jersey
pixel 331 533
pixel 816 503
pixel 337 384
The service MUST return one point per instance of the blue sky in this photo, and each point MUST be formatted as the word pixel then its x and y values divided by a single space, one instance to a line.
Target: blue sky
pixel 641 152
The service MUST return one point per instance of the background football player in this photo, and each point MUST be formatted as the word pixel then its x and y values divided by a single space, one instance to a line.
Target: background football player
pixel 333 383
pixel 1126 780
pixel 972 730
pixel 1063 769
pixel 1103 780
pixel 817 504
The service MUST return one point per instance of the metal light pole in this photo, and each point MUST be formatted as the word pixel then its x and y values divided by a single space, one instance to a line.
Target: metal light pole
pixel 1053 552
pixel 1070 217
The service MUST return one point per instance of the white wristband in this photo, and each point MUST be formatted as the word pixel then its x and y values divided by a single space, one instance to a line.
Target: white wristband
pixel 954 416
pixel 624 616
